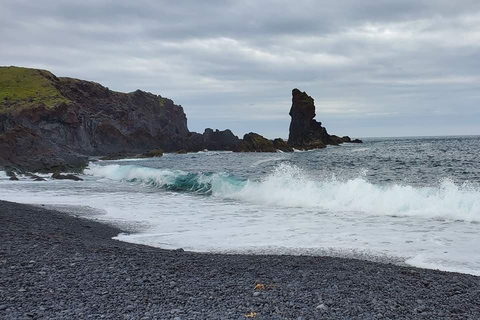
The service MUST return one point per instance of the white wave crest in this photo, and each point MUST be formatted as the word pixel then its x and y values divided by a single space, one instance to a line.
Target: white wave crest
pixel 290 186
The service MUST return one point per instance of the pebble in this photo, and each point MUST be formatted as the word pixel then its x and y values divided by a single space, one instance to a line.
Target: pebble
pixel 322 307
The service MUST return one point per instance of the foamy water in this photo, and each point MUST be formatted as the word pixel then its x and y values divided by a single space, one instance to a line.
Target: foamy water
pixel 302 203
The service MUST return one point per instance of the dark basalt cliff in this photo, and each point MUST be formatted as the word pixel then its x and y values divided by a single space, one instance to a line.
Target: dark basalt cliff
pixel 305 131
pixel 49 123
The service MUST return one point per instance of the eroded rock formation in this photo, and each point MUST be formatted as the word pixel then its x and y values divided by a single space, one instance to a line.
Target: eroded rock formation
pixel 305 132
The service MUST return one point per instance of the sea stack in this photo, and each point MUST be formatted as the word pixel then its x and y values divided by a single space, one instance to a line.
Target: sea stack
pixel 305 131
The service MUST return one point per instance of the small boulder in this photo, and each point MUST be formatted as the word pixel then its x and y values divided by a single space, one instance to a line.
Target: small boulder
pixel 116 156
pixel 357 141
pixel 59 176
pixel 152 154
pixel 12 175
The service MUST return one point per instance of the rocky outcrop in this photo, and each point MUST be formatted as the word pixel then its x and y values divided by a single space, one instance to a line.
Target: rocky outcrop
pixel 219 140
pixel 253 142
pixel 305 132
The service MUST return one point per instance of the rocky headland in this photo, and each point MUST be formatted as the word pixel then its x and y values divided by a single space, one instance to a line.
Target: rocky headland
pixel 52 124
pixel 49 124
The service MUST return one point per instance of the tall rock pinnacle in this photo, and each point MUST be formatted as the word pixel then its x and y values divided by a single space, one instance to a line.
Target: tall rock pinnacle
pixel 305 132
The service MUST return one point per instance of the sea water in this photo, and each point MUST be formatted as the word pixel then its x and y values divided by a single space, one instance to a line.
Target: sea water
pixel 413 201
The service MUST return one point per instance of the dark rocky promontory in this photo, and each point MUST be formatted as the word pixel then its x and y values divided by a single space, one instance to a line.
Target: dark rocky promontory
pixel 48 123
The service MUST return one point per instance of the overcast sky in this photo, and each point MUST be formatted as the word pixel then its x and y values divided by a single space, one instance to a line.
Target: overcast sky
pixel 374 68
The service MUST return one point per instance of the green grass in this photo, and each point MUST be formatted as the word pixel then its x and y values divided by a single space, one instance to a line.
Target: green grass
pixel 23 88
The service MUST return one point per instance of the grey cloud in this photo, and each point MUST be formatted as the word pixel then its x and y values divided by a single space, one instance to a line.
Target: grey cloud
pixel 365 62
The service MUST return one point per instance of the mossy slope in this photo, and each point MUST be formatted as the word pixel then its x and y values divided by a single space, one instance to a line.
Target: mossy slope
pixel 23 88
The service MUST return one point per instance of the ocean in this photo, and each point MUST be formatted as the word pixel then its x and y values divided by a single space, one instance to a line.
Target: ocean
pixel 410 201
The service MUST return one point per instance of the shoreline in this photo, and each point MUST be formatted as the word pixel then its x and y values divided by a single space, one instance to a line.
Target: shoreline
pixel 55 265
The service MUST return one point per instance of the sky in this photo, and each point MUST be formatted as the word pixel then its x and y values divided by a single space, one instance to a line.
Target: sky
pixel 375 68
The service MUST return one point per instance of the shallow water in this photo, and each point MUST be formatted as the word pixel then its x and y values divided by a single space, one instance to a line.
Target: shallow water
pixel 408 200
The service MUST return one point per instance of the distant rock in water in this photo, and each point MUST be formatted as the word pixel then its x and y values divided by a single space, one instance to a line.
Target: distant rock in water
pixel 253 142
pixel 305 132
pixel 219 140
pixel 60 176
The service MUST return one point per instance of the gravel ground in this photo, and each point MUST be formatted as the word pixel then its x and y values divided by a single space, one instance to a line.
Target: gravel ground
pixel 56 266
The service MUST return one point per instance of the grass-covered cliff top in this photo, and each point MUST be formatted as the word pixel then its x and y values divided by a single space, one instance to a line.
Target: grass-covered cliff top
pixel 22 88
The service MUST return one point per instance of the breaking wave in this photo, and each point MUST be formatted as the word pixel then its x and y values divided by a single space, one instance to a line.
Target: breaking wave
pixel 290 186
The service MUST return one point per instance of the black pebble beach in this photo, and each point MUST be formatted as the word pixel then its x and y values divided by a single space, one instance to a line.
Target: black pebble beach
pixel 57 266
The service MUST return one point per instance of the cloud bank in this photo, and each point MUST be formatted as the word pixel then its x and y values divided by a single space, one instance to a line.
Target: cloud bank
pixel 375 68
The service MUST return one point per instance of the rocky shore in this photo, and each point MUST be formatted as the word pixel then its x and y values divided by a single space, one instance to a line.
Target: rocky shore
pixel 58 266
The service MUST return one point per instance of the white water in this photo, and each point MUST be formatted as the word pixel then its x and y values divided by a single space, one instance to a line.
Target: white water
pixel 286 212
pixel 289 186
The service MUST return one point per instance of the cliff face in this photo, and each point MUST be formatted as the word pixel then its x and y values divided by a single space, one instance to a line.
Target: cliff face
pixel 48 122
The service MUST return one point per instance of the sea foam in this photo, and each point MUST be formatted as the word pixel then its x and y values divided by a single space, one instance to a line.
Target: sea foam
pixel 290 186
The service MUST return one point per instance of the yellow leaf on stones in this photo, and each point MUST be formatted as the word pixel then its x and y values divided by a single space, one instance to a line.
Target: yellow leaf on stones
pixel 251 315
pixel 259 286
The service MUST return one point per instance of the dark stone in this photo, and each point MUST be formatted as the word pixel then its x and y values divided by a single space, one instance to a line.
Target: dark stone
pixel 11 174
pixel 219 140
pixel 282 145
pixel 317 144
pixel 335 140
pixel 253 142
pixel 356 141
pixel 59 176
pixel 151 154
